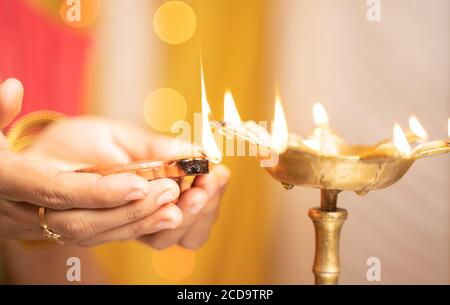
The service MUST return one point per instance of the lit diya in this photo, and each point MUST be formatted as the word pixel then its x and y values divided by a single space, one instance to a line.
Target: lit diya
pixel 156 169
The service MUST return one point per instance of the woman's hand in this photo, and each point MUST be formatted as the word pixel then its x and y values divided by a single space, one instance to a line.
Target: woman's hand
pixel 80 206
pixel 185 221
pixel 88 209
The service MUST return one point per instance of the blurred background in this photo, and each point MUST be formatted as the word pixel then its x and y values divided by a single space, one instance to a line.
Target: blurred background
pixel 141 63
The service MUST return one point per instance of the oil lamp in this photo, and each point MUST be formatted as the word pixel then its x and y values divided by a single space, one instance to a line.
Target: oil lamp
pixel 323 160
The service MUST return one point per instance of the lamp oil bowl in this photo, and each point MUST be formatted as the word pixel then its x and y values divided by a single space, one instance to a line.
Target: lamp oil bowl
pixel 325 161
pixel 355 168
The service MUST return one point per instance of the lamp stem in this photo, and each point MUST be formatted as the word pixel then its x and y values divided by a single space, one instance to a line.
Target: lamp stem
pixel 328 200
pixel 328 221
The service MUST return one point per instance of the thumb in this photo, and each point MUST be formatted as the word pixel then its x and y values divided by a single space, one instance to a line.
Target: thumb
pixel 11 94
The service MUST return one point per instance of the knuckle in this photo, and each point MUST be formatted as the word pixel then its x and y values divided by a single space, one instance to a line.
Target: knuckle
pixel 135 211
pixel 53 198
pixel 102 203
pixel 101 200
pixel 138 229
pixel 101 195
pixel 76 227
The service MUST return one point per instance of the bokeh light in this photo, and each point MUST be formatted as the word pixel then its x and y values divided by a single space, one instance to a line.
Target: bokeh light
pixel 163 107
pixel 174 22
pixel 174 263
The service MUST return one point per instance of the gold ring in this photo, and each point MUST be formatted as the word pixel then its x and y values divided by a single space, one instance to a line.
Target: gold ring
pixel 48 234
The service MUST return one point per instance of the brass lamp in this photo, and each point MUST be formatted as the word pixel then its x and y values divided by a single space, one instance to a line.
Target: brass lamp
pixel 326 162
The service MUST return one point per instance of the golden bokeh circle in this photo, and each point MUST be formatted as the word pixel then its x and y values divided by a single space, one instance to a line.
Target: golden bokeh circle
pixel 174 263
pixel 174 22
pixel 80 13
pixel 163 107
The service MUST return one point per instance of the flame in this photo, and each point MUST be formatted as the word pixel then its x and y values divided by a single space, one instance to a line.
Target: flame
pixel 209 146
pixel 323 139
pixel 417 128
pixel 231 115
pixel 313 143
pixel 320 114
pixel 401 142
pixel 280 132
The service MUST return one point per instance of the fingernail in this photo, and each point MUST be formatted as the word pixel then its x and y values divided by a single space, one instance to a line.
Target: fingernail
pixel 166 197
pixel 196 207
pixel 135 195
pixel 164 225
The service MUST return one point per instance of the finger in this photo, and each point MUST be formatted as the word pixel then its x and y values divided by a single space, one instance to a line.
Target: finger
pixel 11 94
pixel 190 204
pixel 168 216
pixel 198 233
pixel 83 223
pixel 43 185
pixel 213 183
pixel 141 144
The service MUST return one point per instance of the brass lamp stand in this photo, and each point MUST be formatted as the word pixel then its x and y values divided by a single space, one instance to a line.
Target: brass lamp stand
pixel 356 168
pixel 328 221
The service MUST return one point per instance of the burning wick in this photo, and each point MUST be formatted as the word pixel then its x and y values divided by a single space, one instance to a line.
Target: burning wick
pixel 323 139
pixel 415 134
pixel 280 134
pixel 231 115
pixel 417 129
pixel 232 125
pixel 401 142
pixel 320 115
